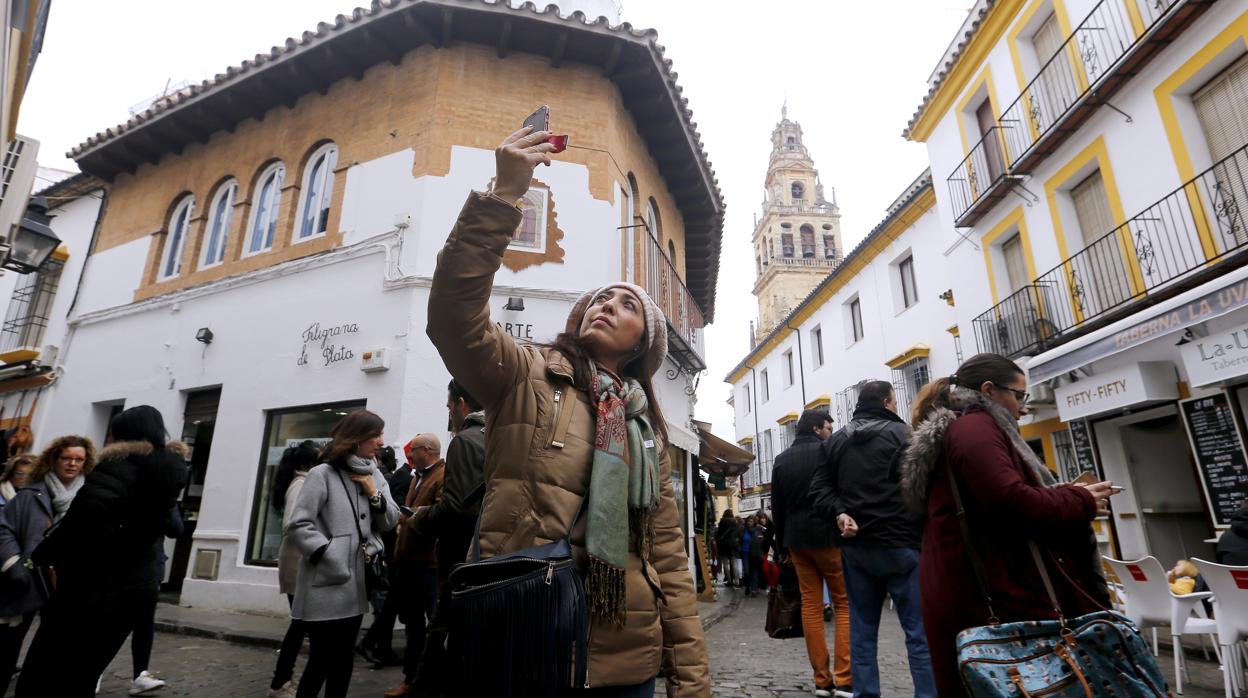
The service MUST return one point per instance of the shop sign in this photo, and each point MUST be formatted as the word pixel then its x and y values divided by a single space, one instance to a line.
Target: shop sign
pixel 327 343
pixel 1219 449
pixel 1216 358
pixel 1135 384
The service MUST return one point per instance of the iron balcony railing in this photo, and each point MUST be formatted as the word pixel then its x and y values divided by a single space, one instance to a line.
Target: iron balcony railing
pixel 979 177
pixel 1096 48
pixel 668 290
pixel 1200 223
pixel 30 308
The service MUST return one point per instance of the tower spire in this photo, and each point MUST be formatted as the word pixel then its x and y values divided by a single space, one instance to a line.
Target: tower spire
pixel 784 110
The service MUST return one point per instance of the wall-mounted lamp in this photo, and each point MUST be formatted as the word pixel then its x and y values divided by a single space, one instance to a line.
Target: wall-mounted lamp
pixel 1187 338
pixel 204 335
pixel 516 304
pixel 33 240
pixel 947 296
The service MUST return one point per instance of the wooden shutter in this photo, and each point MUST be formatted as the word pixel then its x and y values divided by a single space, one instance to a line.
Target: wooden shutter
pixel 1047 40
pixel 1222 107
pixel 1092 208
pixel 1015 264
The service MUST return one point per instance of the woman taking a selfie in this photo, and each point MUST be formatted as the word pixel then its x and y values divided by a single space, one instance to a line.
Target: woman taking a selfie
pixel 967 426
pixel 343 507
pixel 574 421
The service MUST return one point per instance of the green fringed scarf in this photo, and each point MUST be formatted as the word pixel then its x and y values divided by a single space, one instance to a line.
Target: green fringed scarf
pixel 623 492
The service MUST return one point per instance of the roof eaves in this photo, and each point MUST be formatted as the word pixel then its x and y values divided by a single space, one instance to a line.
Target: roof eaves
pixel 949 61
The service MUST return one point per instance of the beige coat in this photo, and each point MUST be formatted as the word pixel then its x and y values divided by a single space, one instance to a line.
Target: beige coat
pixel 539 451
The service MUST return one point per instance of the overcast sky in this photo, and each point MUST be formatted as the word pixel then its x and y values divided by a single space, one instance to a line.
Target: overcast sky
pixel 852 72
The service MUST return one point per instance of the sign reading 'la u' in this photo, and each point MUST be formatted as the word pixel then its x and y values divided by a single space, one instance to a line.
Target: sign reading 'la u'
pixel 1216 358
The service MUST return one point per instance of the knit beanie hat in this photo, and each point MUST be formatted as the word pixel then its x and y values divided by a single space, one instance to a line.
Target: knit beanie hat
pixel 656 323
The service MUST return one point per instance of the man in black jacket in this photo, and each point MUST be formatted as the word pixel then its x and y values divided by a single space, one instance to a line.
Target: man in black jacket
pixel 811 544
pixel 452 520
pixel 857 487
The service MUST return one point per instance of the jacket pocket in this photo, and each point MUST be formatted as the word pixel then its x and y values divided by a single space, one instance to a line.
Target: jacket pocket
pixel 336 564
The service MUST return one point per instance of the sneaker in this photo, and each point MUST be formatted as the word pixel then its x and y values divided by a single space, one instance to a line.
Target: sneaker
pixel 823 693
pixel 145 682
pixel 287 690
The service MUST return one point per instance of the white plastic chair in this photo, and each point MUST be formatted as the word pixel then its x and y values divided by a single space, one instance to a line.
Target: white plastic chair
pixel 1150 604
pixel 1230 591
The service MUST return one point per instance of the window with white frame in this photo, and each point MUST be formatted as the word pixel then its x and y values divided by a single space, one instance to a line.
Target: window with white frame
pixel 766 454
pixel 788 368
pixel 908 379
pixel 766 385
pixel 318 193
pixel 220 215
pixel 816 346
pixel 853 320
pixel 846 402
pixel 265 205
pixel 530 235
pixel 909 290
pixel 175 238
pixel 748 405
pixel 788 434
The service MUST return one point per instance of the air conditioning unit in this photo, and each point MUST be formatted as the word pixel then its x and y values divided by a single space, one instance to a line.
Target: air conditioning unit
pixel 1042 395
pixel 17 178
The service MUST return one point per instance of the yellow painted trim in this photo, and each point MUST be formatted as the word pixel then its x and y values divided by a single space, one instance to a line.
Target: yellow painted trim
pixel 1137 21
pixel 964 104
pixel 848 270
pixel 61 253
pixel 17 356
pixel 974 54
pixel 1038 429
pixel 790 417
pixel 918 351
pixel 955 331
pixel 1050 452
pixel 1025 17
pixel 1236 31
pixel 1014 218
pixel 821 401
pixel 745 441
pixel 1097 151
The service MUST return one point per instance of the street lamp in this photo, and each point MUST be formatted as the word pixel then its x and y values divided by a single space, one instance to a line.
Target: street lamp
pixel 33 240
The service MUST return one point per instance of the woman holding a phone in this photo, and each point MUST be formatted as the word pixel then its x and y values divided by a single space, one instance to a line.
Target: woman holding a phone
pixel 966 426
pixel 576 421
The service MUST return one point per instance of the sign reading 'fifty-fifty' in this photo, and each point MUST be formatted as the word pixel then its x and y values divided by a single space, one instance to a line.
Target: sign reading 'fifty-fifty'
pixel 1149 381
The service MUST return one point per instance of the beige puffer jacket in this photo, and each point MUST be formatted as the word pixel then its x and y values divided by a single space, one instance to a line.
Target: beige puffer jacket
pixel 539 449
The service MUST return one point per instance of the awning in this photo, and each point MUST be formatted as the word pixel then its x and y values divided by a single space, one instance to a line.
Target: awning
pixel 719 457
pixel 1223 295
pixel 682 438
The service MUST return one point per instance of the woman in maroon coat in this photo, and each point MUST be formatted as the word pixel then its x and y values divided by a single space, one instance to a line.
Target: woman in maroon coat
pixel 969 423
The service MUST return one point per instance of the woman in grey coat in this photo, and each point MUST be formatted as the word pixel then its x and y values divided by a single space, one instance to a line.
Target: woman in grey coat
pixel 343 507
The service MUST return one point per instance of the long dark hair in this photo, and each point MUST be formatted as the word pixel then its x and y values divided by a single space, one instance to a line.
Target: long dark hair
pixel 353 430
pixel 577 353
pixel 142 423
pixel 972 374
pixel 298 458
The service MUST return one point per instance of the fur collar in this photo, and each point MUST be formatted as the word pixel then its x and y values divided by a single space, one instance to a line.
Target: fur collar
pixel 927 444
pixel 121 450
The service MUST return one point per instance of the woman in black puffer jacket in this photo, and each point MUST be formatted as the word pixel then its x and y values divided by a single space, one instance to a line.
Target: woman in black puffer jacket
pixel 104 554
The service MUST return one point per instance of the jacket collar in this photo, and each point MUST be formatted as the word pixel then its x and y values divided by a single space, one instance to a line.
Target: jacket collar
pixel 877 414
pixel 807 439
pixel 558 365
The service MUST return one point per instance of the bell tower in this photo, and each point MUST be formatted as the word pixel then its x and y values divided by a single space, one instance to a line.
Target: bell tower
pixel 797 241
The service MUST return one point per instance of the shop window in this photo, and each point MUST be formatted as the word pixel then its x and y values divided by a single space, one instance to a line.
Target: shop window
pixel 285 428
pixel 318 192
pixel 175 238
pixel 220 214
pixel 265 206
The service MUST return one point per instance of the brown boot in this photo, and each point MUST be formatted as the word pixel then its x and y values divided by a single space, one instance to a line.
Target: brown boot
pixel 398 691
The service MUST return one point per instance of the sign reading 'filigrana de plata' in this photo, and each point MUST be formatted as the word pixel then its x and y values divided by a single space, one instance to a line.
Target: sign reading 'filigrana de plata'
pixel 1135 384
pixel 1217 357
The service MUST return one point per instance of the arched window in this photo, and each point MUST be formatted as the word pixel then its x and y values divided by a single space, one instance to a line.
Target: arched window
pixel 175 238
pixel 530 235
pixel 318 192
pixel 791 140
pixel 829 247
pixel 808 241
pixel 265 205
pixel 652 219
pixel 799 191
pixel 220 214
pixel 671 252
pixel 786 243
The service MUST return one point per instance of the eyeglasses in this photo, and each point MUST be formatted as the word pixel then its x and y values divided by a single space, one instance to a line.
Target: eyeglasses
pixel 1022 395
pixel 71 459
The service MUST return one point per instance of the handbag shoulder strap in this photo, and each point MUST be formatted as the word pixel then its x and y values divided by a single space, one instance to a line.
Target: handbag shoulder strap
pixel 355 513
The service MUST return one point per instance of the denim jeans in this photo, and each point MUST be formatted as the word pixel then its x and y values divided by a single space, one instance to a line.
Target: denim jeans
pixel 871 572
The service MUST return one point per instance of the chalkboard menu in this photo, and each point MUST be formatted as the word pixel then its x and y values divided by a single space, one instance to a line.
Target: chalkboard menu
pixel 1085 451
pixel 1219 450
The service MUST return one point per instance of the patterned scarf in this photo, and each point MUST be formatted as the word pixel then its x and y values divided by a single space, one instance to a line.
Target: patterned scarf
pixel 623 492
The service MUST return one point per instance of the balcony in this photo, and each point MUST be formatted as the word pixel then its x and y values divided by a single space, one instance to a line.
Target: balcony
pixel 684 317
pixel 980 180
pixel 21 336
pixel 1193 234
pixel 1112 45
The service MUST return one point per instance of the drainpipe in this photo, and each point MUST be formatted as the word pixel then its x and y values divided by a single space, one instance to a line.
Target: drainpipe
pixel 801 362
pixel 758 440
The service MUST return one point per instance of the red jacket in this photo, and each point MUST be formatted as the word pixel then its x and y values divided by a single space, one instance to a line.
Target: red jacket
pixel 1006 505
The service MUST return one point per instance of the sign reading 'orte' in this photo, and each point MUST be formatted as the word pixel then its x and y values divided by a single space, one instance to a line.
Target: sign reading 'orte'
pixel 1135 384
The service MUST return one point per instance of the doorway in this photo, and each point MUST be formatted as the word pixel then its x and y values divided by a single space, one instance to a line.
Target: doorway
pixel 1162 512
pixel 198 424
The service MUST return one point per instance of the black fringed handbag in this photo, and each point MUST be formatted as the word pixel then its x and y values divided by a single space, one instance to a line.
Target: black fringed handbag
pixel 519 622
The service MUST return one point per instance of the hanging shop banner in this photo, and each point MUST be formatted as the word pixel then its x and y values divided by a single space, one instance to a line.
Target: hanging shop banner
pixel 1131 385
pixel 1219 448
pixel 1216 358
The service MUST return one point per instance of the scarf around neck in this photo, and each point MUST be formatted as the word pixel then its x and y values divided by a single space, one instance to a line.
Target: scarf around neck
pixel 359 466
pixel 62 496
pixel 623 497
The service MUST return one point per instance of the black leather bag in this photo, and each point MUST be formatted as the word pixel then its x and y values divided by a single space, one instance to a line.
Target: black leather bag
pixel 784 607
pixel 519 622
